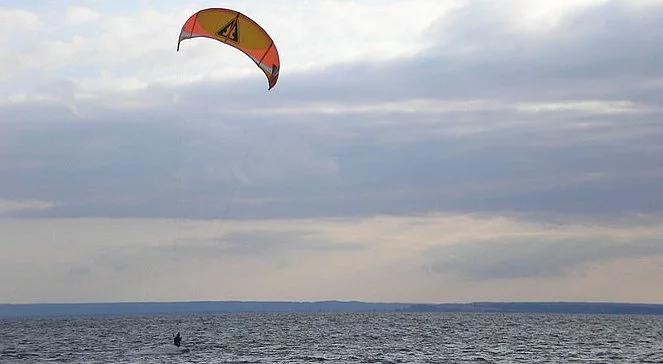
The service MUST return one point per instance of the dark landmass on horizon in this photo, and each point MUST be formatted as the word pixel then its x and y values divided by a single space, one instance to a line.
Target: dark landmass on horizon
pixel 155 308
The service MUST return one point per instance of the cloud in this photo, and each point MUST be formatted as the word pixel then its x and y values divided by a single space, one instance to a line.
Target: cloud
pixel 585 53
pixel 77 15
pixel 386 258
pixel 265 245
pixel 14 207
pixel 444 106
pixel 539 258
pixel 13 20
pixel 186 163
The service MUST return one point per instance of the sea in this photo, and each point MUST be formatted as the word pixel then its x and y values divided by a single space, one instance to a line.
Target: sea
pixel 335 338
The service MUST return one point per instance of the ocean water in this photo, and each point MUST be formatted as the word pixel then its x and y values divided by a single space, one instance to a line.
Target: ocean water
pixel 336 338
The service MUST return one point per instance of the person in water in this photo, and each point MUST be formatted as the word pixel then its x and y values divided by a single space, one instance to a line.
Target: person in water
pixel 177 340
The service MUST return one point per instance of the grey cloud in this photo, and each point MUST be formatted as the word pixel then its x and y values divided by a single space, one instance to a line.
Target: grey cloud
pixel 272 246
pixel 537 257
pixel 605 51
pixel 79 271
pixel 332 166
pixel 266 243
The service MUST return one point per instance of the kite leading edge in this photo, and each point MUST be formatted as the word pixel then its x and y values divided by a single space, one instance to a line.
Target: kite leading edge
pixel 239 31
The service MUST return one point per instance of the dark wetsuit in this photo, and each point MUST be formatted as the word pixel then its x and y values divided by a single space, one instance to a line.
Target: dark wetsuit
pixel 177 340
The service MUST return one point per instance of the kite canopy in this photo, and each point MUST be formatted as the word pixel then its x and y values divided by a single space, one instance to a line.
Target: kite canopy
pixel 237 30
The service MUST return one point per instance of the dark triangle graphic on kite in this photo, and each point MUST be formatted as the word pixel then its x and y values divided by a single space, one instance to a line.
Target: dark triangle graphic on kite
pixel 230 31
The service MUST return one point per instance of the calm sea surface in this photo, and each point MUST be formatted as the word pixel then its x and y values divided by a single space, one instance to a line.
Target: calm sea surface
pixel 336 338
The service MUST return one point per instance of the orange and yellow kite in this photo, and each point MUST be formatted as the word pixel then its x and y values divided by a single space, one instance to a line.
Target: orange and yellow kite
pixel 237 30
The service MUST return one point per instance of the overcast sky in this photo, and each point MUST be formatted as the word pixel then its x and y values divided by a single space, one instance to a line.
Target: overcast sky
pixel 412 151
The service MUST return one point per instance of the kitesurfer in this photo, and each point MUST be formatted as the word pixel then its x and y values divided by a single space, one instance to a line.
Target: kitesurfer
pixel 177 340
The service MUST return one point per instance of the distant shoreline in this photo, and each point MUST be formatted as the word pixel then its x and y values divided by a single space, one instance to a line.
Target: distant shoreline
pixel 157 308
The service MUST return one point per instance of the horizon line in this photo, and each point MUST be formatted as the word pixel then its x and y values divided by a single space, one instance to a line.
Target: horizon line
pixel 330 301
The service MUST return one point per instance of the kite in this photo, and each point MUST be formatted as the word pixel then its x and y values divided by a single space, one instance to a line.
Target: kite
pixel 236 30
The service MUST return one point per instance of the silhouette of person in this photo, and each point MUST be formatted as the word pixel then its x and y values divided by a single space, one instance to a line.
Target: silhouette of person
pixel 177 340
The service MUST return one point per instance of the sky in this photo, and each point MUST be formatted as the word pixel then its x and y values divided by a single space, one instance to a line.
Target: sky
pixel 412 151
